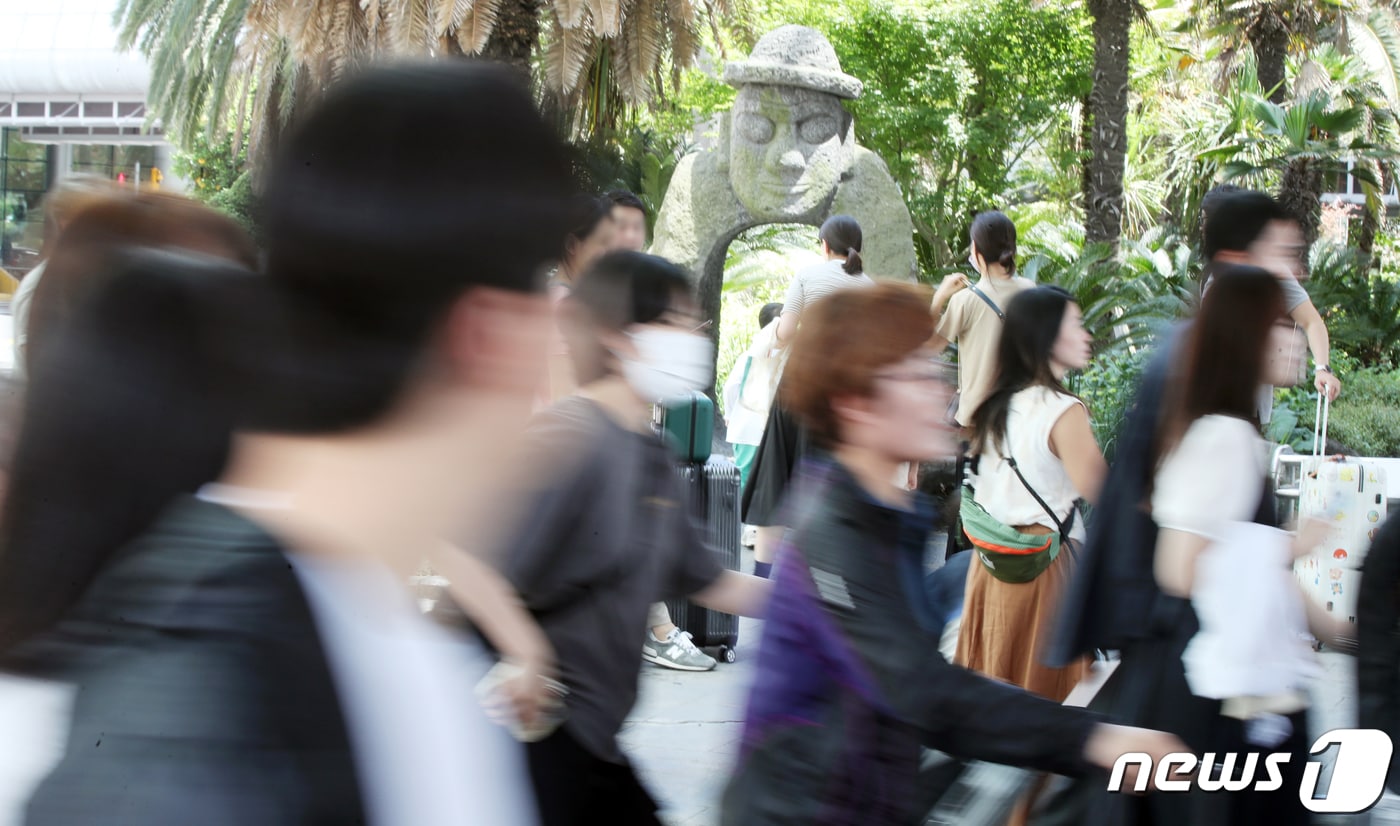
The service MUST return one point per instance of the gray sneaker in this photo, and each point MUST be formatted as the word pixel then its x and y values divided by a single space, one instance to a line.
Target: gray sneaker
pixel 676 651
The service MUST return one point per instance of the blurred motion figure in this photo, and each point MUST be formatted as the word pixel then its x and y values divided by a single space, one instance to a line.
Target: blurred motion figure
pixel 256 656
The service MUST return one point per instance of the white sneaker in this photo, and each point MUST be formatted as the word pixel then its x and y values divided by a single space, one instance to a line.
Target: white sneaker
pixel 676 651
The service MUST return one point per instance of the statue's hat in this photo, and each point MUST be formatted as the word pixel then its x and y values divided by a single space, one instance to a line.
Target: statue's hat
pixel 794 56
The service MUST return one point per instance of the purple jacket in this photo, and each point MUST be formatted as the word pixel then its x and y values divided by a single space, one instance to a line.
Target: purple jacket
pixel 850 684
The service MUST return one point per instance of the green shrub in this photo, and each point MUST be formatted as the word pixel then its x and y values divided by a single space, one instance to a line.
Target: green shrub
pixel 1365 420
pixel 758 268
pixel 1361 306
pixel 240 202
pixel 1108 386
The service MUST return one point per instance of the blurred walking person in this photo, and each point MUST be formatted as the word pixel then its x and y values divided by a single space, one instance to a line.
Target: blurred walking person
pixel 664 644
pixel 748 393
pixel 1035 458
pixel 849 682
pixel 256 655
pixel 608 533
pixel 1211 469
pixel 590 236
pixel 784 443
pixel 87 250
pixel 68 198
pixel 629 220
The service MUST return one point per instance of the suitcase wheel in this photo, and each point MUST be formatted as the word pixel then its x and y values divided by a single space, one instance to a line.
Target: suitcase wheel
pixel 727 654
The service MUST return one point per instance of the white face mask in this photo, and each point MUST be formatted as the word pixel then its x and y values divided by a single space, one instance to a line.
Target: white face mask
pixel 669 363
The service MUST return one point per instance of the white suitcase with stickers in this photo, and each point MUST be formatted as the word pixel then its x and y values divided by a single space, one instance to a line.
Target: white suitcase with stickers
pixel 1349 494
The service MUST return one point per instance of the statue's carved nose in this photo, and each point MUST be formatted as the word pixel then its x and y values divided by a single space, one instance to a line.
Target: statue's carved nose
pixel 792 163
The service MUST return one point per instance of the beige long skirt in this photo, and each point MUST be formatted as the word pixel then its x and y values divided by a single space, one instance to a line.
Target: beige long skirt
pixel 1006 626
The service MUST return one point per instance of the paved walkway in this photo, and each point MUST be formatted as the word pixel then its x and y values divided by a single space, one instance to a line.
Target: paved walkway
pixel 683 735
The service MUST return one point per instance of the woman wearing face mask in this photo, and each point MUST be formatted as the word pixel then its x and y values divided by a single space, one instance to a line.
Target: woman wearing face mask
pixel 608 533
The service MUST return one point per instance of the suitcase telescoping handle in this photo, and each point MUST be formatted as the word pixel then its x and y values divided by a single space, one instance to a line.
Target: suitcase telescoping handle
pixel 1320 422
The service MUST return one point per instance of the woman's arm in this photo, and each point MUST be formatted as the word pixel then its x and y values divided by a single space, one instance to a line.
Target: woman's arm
pixel 787 327
pixel 1072 440
pixel 496 611
pixel 736 593
pixel 1174 564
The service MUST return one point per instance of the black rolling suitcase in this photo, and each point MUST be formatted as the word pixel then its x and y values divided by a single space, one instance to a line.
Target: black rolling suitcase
pixel 713 497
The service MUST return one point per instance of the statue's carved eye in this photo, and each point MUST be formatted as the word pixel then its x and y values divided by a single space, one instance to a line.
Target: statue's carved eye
pixel 817 129
pixel 755 128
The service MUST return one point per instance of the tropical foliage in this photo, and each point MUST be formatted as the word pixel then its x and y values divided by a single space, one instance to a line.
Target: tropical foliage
pixel 1098 125
pixel 213 62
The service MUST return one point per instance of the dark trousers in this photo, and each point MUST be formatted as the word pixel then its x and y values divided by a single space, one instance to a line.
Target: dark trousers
pixel 575 788
pixel 1277 808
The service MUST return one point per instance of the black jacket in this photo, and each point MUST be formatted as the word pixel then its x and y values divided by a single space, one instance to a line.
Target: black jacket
pixel 850 685
pixel 204 693
pixel 1378 639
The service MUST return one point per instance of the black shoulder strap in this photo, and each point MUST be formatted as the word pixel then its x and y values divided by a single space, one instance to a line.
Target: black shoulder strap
pixel 1065 526
pixel 990 303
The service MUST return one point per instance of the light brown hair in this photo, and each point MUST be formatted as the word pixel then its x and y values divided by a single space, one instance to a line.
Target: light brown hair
pixel 88 248
pixel 845 338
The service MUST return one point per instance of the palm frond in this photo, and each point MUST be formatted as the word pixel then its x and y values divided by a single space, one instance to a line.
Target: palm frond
pixel 570 51
pixel 412 27
pixel 638 51
pixel 683 23
pixel 447 15
pixel 571 13
pixel 607 15
pixel 1376 42
pixel 477 26
pixel 373 11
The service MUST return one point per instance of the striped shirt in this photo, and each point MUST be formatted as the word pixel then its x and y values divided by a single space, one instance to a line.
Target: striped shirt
pixel 818 281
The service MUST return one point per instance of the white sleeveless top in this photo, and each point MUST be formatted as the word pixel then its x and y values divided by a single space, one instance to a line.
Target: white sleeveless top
pixel 1033 414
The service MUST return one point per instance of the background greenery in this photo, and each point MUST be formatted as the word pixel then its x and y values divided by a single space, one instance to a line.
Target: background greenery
pixel 973 104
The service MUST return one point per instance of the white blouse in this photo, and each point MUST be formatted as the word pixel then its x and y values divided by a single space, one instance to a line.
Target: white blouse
pixel 1212 479
pixel 1033 414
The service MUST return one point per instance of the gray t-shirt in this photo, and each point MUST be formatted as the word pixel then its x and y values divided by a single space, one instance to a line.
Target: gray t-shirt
pixel 609 535
pixel 1293 293
pixel 818 281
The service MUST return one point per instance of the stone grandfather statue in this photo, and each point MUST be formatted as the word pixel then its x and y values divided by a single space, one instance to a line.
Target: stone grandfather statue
pixel 787 155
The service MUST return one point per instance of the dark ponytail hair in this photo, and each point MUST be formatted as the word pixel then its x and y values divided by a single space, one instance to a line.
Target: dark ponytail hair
pixel 842 234
pixel 1028 337
pixel 123 416
pixel 994 237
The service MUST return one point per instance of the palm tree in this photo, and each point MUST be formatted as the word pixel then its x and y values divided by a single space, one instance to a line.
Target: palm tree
pixel 1108 113
pixel 213 59
pixel 1269 27
pixel 1374 40
pixel 1301 143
